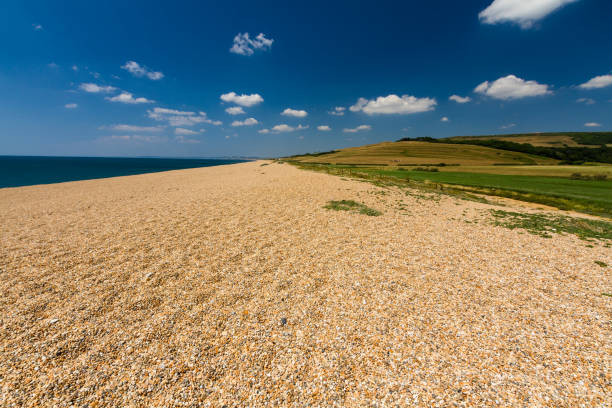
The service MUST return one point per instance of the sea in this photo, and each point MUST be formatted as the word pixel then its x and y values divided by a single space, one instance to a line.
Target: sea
pixel 16 171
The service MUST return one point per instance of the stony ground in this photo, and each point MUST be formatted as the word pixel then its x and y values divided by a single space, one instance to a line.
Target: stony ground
pixel 233 286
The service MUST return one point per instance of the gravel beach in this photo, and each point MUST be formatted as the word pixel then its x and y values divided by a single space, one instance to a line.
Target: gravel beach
pixel 232 286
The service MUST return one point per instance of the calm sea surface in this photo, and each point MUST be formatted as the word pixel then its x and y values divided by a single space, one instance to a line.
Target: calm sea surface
pixel 18 171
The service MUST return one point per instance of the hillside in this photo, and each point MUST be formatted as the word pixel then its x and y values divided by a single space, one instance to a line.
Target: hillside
pixel 552 177
pixel 568 139
pixel 422 153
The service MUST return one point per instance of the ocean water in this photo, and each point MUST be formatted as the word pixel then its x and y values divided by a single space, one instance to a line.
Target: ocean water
pixel 18 171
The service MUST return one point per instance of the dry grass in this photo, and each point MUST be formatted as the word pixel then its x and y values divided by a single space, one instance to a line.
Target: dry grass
pixel 544 140
pixel 232 286
pixel 419 153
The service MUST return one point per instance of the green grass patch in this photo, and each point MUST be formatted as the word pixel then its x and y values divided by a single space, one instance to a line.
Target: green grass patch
pixel 545 225
pixel 353 206
pixel 602 264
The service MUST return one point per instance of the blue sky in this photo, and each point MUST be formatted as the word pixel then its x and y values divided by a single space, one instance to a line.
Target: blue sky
pixel 140 78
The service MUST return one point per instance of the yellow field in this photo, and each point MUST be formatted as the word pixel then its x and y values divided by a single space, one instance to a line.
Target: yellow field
pixel 542 171
pixel 535 139
pixel 420 153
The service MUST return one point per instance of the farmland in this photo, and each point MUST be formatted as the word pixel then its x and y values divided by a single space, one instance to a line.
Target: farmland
pixel 570 139
pixel 459 165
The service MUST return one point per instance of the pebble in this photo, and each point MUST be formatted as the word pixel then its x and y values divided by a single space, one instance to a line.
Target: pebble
pixel 396 310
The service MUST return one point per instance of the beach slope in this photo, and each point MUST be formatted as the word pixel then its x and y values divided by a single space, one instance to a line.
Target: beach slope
pixel 233 286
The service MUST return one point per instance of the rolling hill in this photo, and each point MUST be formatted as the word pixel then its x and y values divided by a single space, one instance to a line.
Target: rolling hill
pixel 568 139
pixel 424 153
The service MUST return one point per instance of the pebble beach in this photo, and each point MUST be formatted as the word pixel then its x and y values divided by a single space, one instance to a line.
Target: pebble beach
pixel 233 286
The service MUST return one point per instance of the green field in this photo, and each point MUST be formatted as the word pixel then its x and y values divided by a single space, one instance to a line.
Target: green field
pixel 588 196
pixel 595 196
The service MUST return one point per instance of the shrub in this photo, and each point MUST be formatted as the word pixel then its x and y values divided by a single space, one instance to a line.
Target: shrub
pixel 596 177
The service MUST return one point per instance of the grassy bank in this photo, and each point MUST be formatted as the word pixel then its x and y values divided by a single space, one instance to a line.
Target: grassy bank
pixel 587 196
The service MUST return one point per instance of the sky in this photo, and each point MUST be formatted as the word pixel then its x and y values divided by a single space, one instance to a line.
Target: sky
pixel 273 78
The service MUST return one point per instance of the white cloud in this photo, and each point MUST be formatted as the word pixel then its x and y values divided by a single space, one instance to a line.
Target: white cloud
pixel 127 97
pixel 183 139
pixel 185 132
pixel 246 122
pixel 164 111
pixel 244 45
pixel 235 110
pixel 149 139
pixel 37 27
pixel 592 124
pixel 521 12
pixel 460 99
pixel 586 101
pixel 75 68
pixel 294 113
pixel 512 87
pixel 598 82
pixel 53 65
pixel 93 88
pixel 337 111
pixel 136 129
pixel 286 128
pixel 179 118
pixel 137 70
pixel 357 129
pixel 393 104
pixel 444 119
pixel 324 128
pixel 119 137
pixel 242 100
pixel 71 106
pixel 283 128
pixel 508 126
pixel 136 138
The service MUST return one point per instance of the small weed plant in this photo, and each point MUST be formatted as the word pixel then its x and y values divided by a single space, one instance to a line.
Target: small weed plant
pixel 544 225
pixel 353 206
